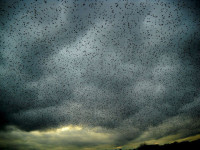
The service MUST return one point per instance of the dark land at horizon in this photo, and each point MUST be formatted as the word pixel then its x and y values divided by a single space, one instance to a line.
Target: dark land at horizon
pixel 194 145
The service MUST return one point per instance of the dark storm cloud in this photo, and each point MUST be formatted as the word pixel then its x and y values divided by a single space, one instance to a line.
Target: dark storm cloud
pixel 121 65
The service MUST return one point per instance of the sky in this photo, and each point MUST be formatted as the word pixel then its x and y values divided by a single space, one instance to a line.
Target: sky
pixel 98 75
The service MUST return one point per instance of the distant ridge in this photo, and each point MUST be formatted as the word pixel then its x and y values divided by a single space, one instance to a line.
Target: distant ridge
pixel 194 145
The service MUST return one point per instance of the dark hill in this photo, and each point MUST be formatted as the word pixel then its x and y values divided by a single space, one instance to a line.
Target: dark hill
pixel 195 145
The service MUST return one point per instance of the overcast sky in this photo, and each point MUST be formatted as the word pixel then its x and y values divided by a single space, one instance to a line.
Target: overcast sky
pixel 129 68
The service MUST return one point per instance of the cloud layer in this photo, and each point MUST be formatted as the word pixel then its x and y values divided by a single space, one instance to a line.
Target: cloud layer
pixel 126 66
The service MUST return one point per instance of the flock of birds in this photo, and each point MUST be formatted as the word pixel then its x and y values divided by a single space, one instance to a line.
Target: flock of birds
pixel 49 49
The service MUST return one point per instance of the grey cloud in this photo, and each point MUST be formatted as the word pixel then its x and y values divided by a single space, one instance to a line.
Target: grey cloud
pixel 177 125
pixel 124 66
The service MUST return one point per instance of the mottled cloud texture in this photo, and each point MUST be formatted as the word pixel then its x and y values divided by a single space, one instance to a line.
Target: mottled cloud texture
pixel 130 67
